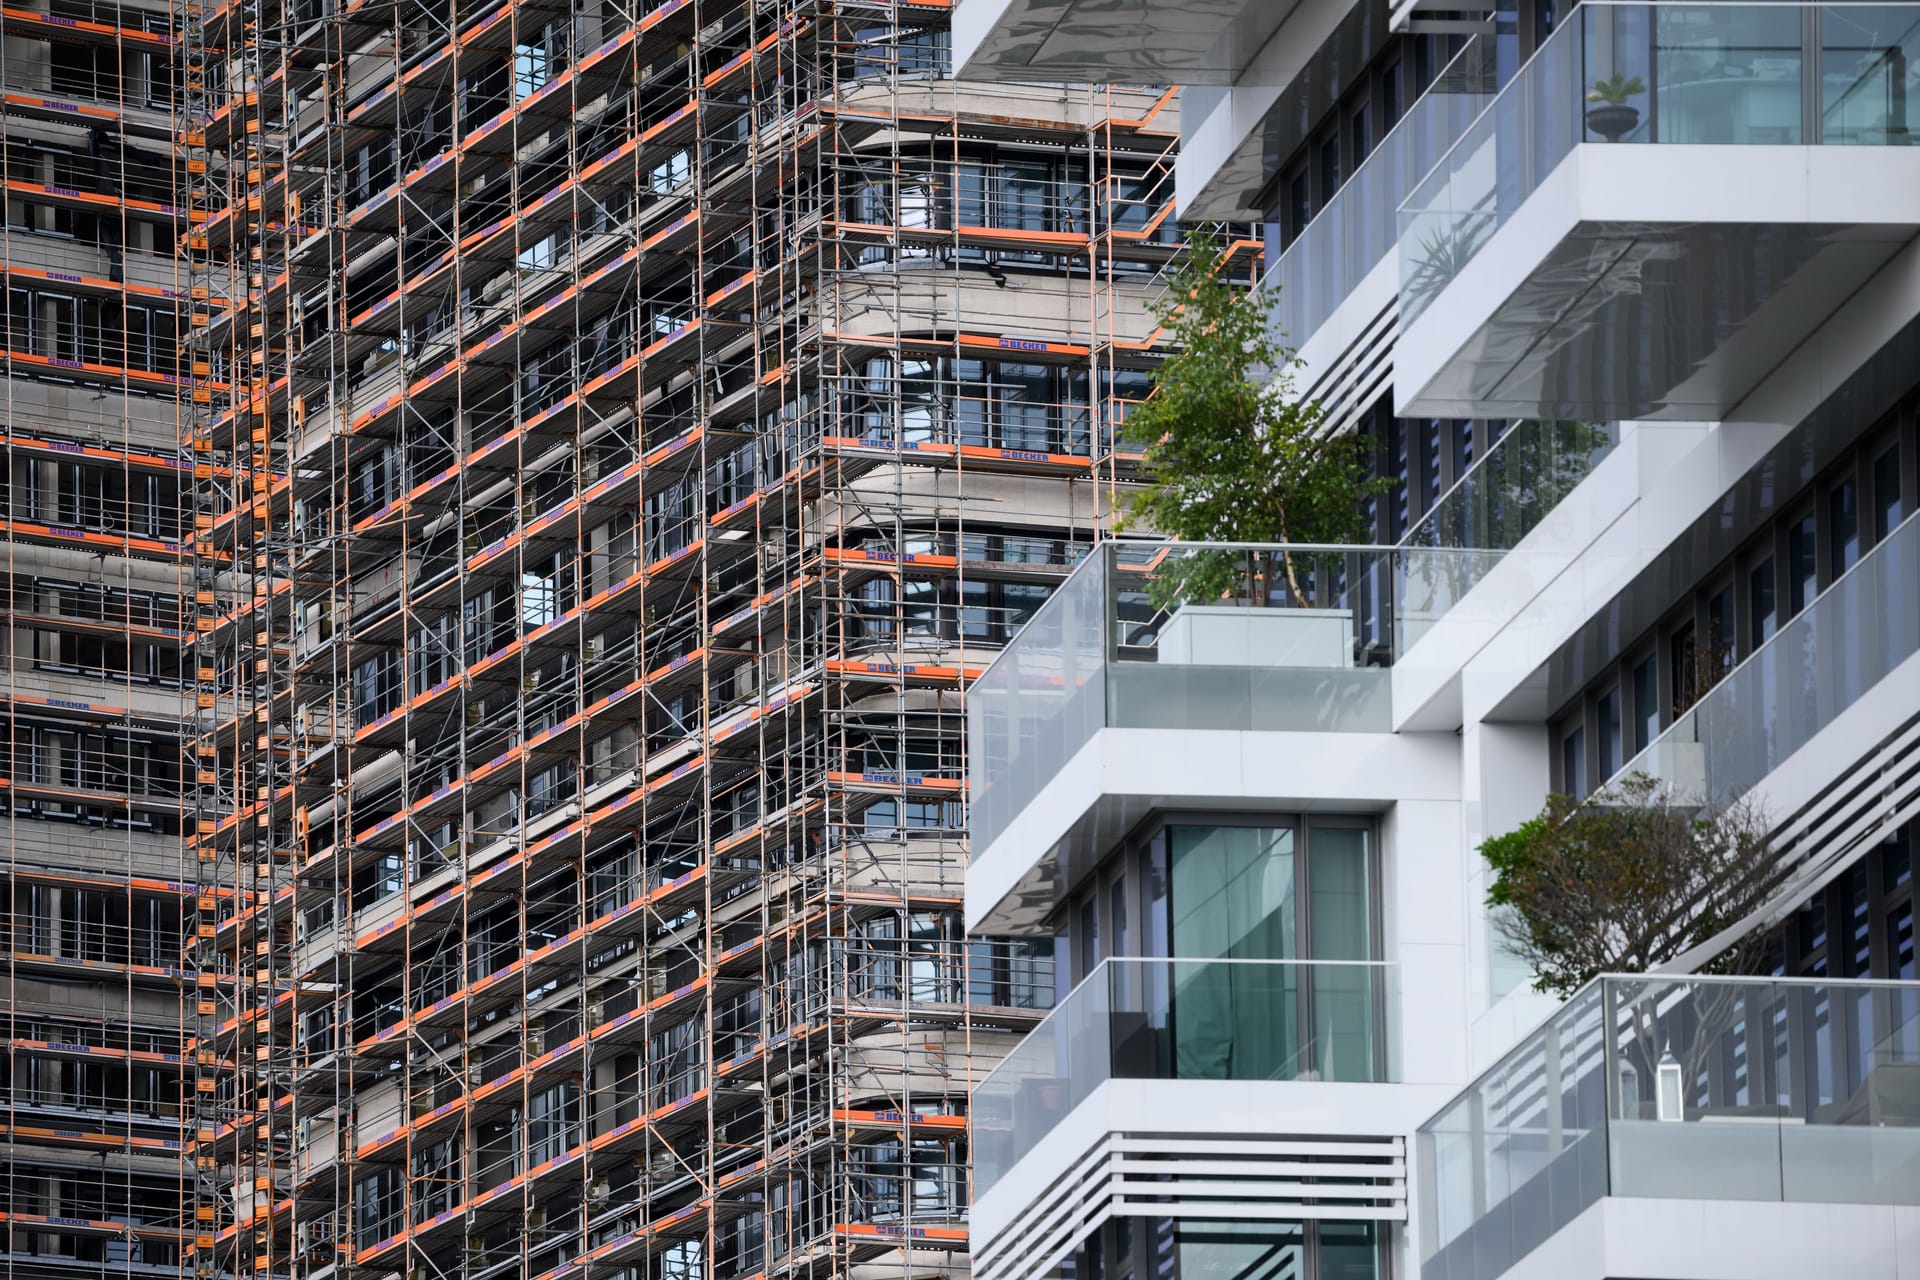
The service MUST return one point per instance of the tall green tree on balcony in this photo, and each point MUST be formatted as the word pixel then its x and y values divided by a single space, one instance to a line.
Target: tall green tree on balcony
pixel 1232 453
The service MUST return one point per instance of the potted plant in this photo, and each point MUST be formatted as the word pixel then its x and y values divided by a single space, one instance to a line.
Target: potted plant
pixel 1611 116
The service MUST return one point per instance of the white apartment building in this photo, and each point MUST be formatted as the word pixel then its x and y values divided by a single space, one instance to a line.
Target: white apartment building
pixel 1627 297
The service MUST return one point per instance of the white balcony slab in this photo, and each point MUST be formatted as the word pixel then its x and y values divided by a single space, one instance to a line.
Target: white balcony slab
pixel 1123 775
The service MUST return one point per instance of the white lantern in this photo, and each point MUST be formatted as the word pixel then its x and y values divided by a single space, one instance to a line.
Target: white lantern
pixel 1669 1093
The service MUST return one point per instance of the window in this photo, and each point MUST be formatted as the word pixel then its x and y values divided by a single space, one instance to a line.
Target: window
pixel 1543 21
pixel 1887 508
pixel 1843 525
pixel 1462 433
pixel 532 70
pixel 1240 1249
pixel 1329 168
pixel 1646 703
pixel 1573 763
pixel 1762 616
pixel 1090 953
pixel 1025 406
pixel 1430 464
pixel 1025 188
pixel 670 173
pixel 886 815
pixel 1233 892
pixel 538 598
pixel 1608 736
pixel 1720 637
pixel 1195 1249
pixel 1396 470
pixel 1684 655
pixel 1803 565
pixel 537 256
pixel 1263 892
pixel 376 686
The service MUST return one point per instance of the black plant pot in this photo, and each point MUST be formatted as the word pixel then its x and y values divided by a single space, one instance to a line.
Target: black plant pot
pixel 1613 122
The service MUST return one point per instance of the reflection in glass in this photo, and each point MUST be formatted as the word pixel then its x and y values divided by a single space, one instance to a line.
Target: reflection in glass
pixel 1340 927
pixel 1233 1250
pixel 1727 74
pixel 1233 898
pixel 1866 77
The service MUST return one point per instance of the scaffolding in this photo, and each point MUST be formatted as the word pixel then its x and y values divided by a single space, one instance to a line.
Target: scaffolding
pixel 620 433
pixel 95 895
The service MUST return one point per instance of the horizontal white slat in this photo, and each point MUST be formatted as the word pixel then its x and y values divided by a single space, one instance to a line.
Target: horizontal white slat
pixel 1395 1167
pixel 1277 1146
pixel 1255 1189
pixel 1264 1212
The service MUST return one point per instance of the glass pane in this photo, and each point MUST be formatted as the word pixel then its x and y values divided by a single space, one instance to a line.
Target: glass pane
pixel 1229 1250
pixel 1727 74
pixel 1886 493
pixel 1607 712
pixel 1763 617
pixel 1340 921
pixel 1646 704
pixel 1236 1022
pixel 1865 52
pixel 1804 568
pixel 1340 924
pixel 1349 1251
pixel 1843 523
pixel 1233 897
pixel 1233 893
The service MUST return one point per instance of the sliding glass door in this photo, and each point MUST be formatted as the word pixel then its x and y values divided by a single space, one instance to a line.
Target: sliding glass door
pixel 1243 894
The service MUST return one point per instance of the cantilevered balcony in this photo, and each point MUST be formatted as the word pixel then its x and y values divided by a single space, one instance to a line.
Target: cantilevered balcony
pixel 1169 674
pixel 1227 1089
pixel 1687 1127
pixel 1667 200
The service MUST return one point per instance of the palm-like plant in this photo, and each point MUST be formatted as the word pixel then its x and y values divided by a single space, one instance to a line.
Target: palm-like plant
pixel 1615 90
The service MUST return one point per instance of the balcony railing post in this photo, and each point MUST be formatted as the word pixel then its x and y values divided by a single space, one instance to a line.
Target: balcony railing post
pixel 1109 604
pixel 1614 1104
pixel 1811 80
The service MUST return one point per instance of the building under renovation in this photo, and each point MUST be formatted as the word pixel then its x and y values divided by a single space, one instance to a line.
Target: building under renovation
pixel 97 989
pixel 617 434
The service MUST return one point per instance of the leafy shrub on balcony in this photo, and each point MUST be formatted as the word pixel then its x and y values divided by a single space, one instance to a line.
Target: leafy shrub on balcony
pixel 1628 880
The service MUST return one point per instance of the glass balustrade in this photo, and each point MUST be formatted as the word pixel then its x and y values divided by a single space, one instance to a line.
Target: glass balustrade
pixel 1170 1019
pixel 1157 635
pixel 1820 663
pixel 1676 1087
pixel 1357 228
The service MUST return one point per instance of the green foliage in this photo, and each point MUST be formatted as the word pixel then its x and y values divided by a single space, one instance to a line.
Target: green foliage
pixel 1622 884
pixel 1615 90
pixel 1230 452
